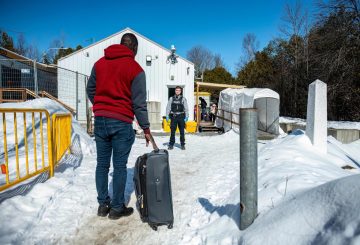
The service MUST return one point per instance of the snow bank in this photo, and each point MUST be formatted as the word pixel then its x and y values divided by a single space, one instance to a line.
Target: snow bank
pixel 87 144
pixel 304 197
pixel 331 124
pixel 287 167
pixel 327 214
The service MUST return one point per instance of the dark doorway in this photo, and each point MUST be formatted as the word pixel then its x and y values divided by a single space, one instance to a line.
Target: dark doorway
pixel 171 92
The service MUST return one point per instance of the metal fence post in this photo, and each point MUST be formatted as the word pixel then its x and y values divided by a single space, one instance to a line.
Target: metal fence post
pixel 77 95
pixel 36 87
pixel 88 114
pixel 248 166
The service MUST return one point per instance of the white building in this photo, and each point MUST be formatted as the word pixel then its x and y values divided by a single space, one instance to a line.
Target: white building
pixel 162 76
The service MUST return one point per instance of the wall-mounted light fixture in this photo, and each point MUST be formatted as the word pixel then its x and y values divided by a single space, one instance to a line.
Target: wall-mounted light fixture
pixel 149 59
pixel 188 70
pixel 172 58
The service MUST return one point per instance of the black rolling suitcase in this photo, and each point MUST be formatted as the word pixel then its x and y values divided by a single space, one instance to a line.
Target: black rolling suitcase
pixel 153 189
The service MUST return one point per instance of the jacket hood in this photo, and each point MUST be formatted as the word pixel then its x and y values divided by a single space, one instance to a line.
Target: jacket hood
pixel 117 51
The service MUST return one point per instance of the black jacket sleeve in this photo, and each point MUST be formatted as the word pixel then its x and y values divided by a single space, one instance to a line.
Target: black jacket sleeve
pixel 138 97
pixel 91 86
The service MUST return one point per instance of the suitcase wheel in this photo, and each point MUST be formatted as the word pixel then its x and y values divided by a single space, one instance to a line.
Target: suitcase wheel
pixel 170 226
pixel 154 227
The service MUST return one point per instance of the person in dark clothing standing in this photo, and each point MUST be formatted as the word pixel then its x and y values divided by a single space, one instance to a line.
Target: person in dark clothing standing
pixel 177 109
pixel 203 105
pixel 117 90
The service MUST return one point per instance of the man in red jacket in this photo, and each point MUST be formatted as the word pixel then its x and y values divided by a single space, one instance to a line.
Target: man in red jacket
pixel 117 90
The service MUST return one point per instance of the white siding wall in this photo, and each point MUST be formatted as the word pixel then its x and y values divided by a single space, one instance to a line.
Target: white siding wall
pixel 157 74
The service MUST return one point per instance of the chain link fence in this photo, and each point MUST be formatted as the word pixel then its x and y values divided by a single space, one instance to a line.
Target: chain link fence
pixel 22 80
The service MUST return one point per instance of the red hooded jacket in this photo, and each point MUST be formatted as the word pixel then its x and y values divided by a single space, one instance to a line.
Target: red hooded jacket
pixel 114 95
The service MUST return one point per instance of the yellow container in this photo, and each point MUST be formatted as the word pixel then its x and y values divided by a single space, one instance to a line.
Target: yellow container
pixel 191 126
pixel 166 126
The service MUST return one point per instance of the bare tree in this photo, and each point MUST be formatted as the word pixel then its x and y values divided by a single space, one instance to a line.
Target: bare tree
pixel 250 45
pixel 21 45
pixel 331 6
pixel 249 48
pixel 53 50
pixel 202 58
pixel 218 61
pixel 294 27
pixel 294 20
pixel 33 53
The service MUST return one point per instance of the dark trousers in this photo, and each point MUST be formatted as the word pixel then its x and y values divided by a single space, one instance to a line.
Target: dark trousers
pixel 203 113
pixel 177 121
pixel 113 137
pixel 212 117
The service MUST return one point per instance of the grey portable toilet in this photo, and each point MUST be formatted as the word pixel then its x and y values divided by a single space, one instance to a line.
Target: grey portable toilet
pixel 265 100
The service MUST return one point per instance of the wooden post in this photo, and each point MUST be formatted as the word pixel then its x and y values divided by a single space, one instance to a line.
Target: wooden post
pixel 23 95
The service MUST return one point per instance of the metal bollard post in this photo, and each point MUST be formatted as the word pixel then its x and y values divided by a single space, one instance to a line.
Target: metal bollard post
pixel 248 166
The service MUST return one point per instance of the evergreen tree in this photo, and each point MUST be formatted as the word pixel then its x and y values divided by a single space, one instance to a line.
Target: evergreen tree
pixel 6 41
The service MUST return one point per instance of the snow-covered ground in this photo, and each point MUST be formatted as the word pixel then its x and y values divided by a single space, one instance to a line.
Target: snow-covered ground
pixel 304 197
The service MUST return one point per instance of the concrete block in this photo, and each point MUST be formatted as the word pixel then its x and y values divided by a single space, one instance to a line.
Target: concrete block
pixel 155 126
pixel 154 106
pixel 316 119
pixel 345 136
pixel 154 117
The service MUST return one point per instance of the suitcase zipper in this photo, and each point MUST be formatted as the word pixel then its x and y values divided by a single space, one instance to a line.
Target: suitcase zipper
pixel 143 169
pixel 143 202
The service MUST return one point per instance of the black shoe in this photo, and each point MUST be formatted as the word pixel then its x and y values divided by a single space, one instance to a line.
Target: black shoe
pixel 113 214
pixel 170 147
pixel 182 147
pixel 103 210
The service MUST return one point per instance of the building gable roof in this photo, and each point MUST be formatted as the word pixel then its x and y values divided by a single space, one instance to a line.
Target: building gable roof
pixel 118 33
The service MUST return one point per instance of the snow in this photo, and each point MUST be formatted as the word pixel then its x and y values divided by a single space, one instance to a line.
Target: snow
pixel 305 197
pixel 330 124
pixel 52 107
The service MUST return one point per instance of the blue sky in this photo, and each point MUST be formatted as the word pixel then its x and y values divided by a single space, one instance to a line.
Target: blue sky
pixel 217 25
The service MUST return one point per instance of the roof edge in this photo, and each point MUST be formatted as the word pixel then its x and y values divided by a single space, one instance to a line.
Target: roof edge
pixel 117 33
